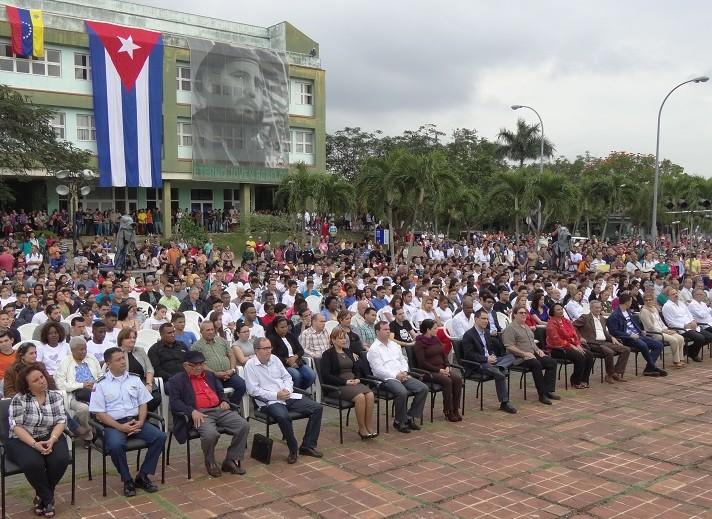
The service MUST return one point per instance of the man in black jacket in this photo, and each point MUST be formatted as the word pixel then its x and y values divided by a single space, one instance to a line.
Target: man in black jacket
pixel 168 354
pixel 478 351
pixel 193 303
pixel 197 400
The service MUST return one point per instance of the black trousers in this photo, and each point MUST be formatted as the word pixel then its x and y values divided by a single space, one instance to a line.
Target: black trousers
pixel 583 363
pixel 700 339
pixel 42 472
pixel 544 372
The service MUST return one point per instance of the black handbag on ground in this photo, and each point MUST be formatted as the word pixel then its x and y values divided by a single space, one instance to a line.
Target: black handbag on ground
pixel 262 448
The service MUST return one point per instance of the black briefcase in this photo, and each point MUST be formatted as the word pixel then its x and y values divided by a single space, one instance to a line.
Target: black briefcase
pixel 262 448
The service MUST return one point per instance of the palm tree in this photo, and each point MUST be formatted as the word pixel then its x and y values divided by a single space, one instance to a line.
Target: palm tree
pixel 332 194
pixel 557 196
pixel 294 191
pixel 382 186
pixel 510 187
pixel 428 175
pixel 524 143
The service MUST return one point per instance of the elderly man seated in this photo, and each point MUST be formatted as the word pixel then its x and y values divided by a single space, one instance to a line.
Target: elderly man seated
pixel 270 384
pixel 699 309
pixel 197 394
pixel 76 376
pixel 221 360
pixel 677 315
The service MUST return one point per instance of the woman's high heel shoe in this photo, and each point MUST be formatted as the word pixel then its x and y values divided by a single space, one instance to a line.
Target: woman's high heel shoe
pixel 365 436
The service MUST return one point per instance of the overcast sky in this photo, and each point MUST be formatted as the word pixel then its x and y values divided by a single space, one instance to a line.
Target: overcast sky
pixel 596 71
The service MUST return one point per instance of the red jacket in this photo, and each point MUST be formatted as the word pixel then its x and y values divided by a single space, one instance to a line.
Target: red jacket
pixel 560 333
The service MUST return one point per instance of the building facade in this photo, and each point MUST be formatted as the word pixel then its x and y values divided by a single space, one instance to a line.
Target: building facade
pixel 61 81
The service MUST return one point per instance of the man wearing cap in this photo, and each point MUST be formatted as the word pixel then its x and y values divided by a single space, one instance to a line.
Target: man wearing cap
pixel 197 400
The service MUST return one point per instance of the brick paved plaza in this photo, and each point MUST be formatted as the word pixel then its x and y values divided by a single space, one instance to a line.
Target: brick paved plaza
pixel 636 450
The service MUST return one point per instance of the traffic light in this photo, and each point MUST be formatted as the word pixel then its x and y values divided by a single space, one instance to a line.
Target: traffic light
pixel 669 205
pixel 706 203
pixel 682 204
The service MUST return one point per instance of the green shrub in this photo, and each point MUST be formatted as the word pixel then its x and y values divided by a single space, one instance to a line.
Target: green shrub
pixel 193 233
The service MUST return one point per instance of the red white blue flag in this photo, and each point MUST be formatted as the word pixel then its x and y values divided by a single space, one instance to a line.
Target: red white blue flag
pixel 127 77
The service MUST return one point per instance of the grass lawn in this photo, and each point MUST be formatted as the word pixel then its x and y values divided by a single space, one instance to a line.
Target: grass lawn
pixel 236 240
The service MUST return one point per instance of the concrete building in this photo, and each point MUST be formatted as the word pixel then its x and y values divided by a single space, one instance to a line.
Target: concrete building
pixel 62 81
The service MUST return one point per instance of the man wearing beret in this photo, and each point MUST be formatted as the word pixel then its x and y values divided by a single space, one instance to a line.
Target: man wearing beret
pixel 197 394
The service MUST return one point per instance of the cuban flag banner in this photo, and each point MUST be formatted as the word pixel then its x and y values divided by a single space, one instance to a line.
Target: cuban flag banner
pixel 127 77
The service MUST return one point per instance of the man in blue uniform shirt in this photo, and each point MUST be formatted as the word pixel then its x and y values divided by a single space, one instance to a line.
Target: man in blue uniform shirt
pixel 119 400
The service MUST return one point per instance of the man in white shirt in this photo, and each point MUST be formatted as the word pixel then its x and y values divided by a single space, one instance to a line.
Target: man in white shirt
pixel 463 320
pixel 389 364
pixel 249 317
pixel 269 383
pixel 699 309
pixel 686 292
pixel 677 315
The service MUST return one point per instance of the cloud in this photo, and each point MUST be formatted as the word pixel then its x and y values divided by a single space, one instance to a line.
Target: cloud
pixel 597 72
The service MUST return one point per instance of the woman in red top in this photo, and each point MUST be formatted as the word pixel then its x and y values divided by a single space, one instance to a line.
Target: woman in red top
pixel 563 342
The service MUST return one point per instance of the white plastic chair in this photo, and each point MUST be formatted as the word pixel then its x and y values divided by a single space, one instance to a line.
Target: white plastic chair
pixel 314 304
pixel 330 325
pixel 193 317
pixel 448 329
pixel 36 343
pixel 147 338
pixel 232 290
pixel 146 307
pixel 191 326
pixel 503 320
pixel 26 331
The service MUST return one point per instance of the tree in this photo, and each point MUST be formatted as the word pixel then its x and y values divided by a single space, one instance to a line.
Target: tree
pixel 28 141
pixel 557 196
pixel 347 149
pixel 332 194
pixel 294 191
pixel 427 176
pixel 524 143
pixel 510 187
pixel 382 186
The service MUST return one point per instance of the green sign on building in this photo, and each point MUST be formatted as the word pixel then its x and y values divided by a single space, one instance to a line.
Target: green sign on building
pixel 240 174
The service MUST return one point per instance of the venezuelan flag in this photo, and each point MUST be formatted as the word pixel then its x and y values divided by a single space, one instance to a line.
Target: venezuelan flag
pixel 27 31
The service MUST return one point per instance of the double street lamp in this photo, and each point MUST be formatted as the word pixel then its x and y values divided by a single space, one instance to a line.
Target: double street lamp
pixel 76 185
pixel 654 225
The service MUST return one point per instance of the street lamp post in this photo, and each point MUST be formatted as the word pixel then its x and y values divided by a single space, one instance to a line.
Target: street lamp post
pixel 75 185
pixel 654 225
pixel 541 162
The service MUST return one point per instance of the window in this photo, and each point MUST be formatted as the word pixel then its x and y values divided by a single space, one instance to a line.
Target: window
pixel 231 198
pixel 82 66
pixel 58 123
pixel 154 197
pixel 302 141
pixel 48 65
pixel 228 136
pixel 185 134
pixel 86 130
pixel 305 90
pixel 183 78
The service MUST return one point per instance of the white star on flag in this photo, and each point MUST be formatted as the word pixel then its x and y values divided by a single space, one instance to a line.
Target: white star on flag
pixel 127 45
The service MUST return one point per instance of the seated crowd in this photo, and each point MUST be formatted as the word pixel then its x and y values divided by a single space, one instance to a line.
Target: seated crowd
pixel 73 345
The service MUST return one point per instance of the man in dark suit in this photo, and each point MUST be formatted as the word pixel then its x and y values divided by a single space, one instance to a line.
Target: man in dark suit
pixel 495 331
pixel 150 295
pixel 594 335
pixel 193 303
pixel 477 349
pixel 198 395
pixel 623 327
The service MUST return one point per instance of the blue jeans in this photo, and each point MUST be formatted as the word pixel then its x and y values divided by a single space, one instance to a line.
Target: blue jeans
pixel 115 443
pixel 236 383
pixel 280 414
pixel 649 348
pixel 303 376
